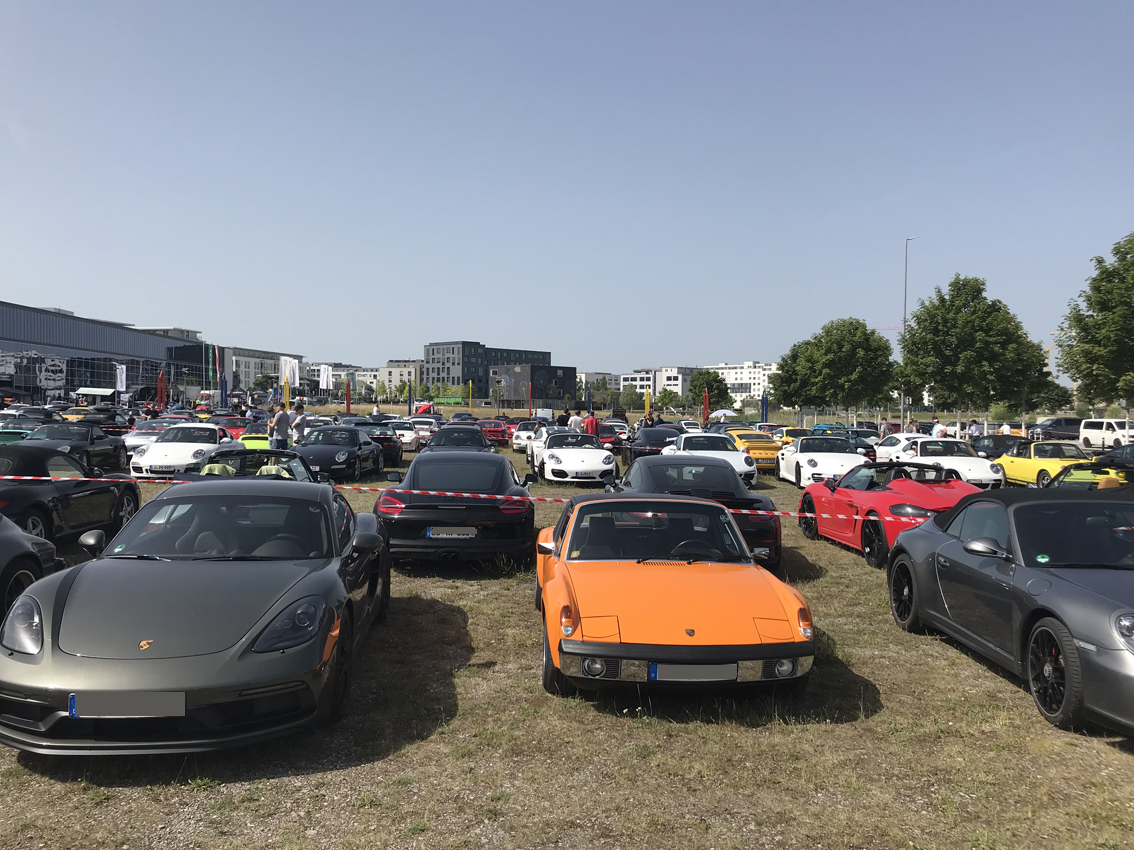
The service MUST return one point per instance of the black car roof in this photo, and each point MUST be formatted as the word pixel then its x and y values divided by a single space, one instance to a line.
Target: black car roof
pixel 1011 496
pixel 447 457
pixel 459 426
pixel 631 496
pixel 250 486
pixel 681 460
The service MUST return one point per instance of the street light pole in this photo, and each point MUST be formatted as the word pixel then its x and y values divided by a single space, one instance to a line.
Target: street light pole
pixel 905 291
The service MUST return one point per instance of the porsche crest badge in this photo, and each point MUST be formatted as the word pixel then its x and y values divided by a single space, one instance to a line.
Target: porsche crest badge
pixel 690 632
pixel 145 644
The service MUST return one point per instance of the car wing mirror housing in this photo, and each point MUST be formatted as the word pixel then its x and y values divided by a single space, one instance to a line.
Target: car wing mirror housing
pixel 94 542
pixel 530 478
pixel 761 553
pixel 322 477
pixel 829 483
pixel 545 548
pixel 986 547
pixel 366 541
pixel 396 477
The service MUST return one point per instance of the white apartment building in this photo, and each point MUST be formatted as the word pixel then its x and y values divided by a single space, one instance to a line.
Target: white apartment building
pixel 251 363
pixel 396 371
pixel 675 378
pixel 593 378
pixel 745 380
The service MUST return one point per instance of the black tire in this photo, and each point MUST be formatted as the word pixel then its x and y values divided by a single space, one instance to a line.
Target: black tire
pixel 356 473
pixel 126 507
pixel 554 682
pixel 35 521
pixel 776 470
pixel 341 681
pixel 1055 674
pixel 1043 479
pixel 538 596
pixel 874 548
pixel 15 579
pixel 121 460
pixel 798 477
pixel 808 525
pixel 381 463
pixel 541 472
pixel 905 606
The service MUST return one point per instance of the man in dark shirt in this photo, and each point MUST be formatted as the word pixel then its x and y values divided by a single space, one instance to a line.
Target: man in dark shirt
pixel 563 418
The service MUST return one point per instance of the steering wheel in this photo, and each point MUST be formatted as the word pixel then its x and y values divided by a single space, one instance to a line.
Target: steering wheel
pixel 698 546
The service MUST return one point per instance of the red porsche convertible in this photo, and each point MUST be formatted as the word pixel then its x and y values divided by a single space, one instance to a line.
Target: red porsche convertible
pixel 873 503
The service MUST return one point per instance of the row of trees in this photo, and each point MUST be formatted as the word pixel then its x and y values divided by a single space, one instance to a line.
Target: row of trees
pixel 969 352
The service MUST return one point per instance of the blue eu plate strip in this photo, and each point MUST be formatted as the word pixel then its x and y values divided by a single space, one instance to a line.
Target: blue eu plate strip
pixel 653 674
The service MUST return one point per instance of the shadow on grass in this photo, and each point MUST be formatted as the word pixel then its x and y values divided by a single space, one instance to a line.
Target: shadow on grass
pixel 835 694
pixel 404 690
pixel 488 569
pixel 797 568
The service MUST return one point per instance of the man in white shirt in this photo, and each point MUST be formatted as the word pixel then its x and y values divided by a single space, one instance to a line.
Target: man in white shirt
pixel 1006 429
pixel 376 410
pixel 938 429
pixel 575 423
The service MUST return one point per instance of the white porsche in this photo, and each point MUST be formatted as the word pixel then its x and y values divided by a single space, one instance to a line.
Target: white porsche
pixel 810 459
pixel 407 432
pixel 890 446
pixel 715 445
pixel 144 433
pixel 524 432
pixel 571 456
pixel 179 448
pixel 957 455
pixel 535 446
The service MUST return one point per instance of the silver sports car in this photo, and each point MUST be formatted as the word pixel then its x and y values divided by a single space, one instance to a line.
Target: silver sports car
pixel 224 613
pixel 1040 582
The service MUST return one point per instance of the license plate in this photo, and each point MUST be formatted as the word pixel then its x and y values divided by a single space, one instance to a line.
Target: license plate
pixel 583 475
pixel 314 469
pixel 127 704
pixel 765 461
pixel 451 532
pixel 161 469
pixel 693 672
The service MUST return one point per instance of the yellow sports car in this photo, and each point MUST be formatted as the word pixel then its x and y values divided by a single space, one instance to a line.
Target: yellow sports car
pixel 1028 462
pixel 255 435
pixel 73 413
pixel 759 446
pixel 787 436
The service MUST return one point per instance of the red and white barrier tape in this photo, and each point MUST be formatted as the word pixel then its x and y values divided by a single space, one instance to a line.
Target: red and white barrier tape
pixel 487 497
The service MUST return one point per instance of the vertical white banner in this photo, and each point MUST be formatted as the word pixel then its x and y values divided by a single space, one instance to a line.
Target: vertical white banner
pixel 120 382
pixel 289 370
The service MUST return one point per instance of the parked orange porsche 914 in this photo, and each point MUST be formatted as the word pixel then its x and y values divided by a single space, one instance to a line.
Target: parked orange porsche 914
pixel 662 591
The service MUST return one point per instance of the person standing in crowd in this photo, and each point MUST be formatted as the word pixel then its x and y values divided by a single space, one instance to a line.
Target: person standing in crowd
pixel 1006 429
pixel 563 418
pixel 376 410
pixel 887 429
pixel 938 429
pixel 279 428
pixel 975 430
pixel 300 423
pixel 590 424
pixel 911 428
pixel 575 423
pixel 658 418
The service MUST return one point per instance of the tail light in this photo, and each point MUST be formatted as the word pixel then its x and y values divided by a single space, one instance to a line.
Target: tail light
pixel 805 625
pixel 568 622
pixel 390 505
pixel 513 506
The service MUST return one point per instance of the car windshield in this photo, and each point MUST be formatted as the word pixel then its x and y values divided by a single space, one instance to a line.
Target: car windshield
pixel 825 445
pixel 462 437
pixel 1058 451
pixel 655 530
pixel 753 436
pixel 657 436
pixel 253 428
pixel 216 527
pixel 944 448
pixel 1092 478
pixel 708 443
pixel 152 425
pixel 687 478
pixel 873 478
pixel 457 476
pixel 181 434
pixel 78 433
pixel 527 426
pixel 258 463
pixel 402 426
pixel 1076 534
pixel 331 437
pixel 18 426
pixel 573 441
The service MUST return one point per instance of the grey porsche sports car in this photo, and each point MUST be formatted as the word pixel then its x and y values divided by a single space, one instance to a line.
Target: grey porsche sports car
pixel 1038 581
pixel 226 612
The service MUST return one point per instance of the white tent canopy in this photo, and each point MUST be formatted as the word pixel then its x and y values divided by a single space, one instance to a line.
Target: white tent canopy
pixel 93 391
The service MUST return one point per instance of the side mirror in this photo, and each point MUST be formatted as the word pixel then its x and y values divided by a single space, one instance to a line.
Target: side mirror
pixel 545 548
pixel 986 547
pixel 100 437
pixel 861 451
pixel 760 553
pixel 396 477
pixel 94 472
pixel 530 479
pixel 982 454
pixel 226 439
pixel 829 483
pixel 322 477
pixel 94 542
pixel 366 541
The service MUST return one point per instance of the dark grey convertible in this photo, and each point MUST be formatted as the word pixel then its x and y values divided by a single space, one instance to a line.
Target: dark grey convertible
pixel 224 613
pixel 1039 581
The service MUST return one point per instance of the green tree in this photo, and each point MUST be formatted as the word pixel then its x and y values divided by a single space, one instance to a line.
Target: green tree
pixel 401 390
pixel 1096 346
pixel 793 383
pixel 630 398
pixel 466 391
pixel 719 396
pixel 968 350
pixel 667 398
pixel 264 381
pixel 580 389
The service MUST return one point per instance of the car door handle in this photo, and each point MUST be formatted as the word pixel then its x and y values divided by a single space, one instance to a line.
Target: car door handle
pixel 943 562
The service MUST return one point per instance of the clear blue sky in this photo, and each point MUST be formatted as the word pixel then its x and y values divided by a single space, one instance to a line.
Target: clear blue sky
pixel 626 184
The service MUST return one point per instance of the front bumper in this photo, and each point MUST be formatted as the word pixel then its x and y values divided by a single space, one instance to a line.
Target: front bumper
pixel 1108 688
pixel 630 663
pixel 593 474
pixel 144 470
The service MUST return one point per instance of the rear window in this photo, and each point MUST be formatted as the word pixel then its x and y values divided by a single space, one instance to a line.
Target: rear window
pixel 458 476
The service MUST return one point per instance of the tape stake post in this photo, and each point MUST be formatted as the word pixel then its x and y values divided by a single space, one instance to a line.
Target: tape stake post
pixel 483 496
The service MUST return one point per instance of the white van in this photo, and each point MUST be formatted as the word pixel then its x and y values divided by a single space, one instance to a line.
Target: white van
pixel 1099 435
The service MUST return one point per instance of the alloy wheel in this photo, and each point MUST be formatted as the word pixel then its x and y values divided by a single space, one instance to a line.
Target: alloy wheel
pixel 809 525
pixel 1046 672
pixel 901 594
pixel 873 543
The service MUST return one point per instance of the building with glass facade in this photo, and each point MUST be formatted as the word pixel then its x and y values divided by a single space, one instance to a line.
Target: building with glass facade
pixel 48 354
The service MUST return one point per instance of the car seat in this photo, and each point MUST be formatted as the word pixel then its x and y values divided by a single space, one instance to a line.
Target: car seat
pixel 274 470
pixel 895 474
pixel 222 469
pixel 602 540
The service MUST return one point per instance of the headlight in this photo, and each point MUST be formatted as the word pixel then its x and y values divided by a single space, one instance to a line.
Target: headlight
pixel 340 457
pixel 198 454
pixel 296 624
pixel 812 462
pixel 138 452
pixel 996 468
pixel 608 460
pixel 748 461
pixel 909 510
pixel 552 457
pixel 64 449
pixel 1124 625
pixel 23 627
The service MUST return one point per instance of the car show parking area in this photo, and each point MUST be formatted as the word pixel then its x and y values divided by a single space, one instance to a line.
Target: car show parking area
pixel 900 741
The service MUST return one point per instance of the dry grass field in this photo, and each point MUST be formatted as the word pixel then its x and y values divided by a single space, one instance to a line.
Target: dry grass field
pixel 901 742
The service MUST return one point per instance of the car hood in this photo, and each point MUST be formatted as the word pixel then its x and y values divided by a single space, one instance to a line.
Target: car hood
pixel 323 453
pixel 935 497
pixel 1110 584
pixel 53 444
pixel 483 449
pixel 158 453
pixel 579 455
pixel 657 601
pixel 184 607
pixel 734 458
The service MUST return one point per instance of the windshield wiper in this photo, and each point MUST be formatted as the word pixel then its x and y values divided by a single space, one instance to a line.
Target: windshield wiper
pixel 134 557
pixel 242 558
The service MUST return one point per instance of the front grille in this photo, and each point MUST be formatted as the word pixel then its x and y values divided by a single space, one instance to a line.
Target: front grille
pixel 558 473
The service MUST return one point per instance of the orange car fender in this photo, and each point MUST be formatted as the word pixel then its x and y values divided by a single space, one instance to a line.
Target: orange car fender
pixel 546 535
pixel 793 600
pixel 557 592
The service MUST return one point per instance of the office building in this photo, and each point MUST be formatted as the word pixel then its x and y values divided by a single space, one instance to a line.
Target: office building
pixel 745 380
pixel 458 362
